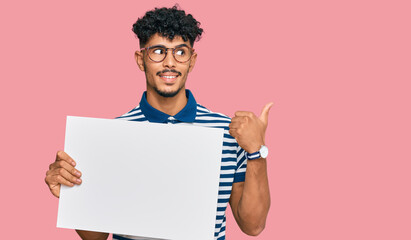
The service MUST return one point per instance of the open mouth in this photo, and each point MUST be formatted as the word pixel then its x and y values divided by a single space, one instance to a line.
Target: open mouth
pixel 168 79
pixel 169 76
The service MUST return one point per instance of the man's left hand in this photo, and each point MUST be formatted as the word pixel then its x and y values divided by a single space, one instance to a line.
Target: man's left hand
pixel 249 130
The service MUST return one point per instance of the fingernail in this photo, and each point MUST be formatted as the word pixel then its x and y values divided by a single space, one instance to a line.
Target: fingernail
pixel 77 173
pixel 73 163
pixel 78 180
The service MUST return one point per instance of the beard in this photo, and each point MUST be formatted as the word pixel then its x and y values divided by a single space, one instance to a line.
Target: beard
pixel 167 94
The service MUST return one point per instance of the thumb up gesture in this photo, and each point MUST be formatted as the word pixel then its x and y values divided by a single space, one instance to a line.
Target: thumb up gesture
pixel 249 130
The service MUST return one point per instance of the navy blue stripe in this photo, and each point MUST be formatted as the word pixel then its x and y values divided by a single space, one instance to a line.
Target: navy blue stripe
pixel 207 114
pixel 202 111
pixel 229 144
pixel 139 120
pixel 221 209
pixel 239 177
pixel 224 192
pixel 230 175
pixel 223 200
pixel 222 237
pixel 231 167
pixel 225 128
pixel 228 136
pixel 133 115
pixel 229 151
pixel 225 184
pixel 133 110
pixel 212 121
pixel 241 161
pixel 240 151
pixel 228 159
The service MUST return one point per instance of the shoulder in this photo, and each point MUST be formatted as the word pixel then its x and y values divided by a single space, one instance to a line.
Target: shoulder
pixel 133 114
pixel 208 118
pixel 204 113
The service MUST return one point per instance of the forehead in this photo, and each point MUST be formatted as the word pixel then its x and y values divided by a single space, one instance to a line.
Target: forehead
pixel 157 39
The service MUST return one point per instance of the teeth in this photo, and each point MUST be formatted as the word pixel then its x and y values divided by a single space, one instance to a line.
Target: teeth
pixel 168 76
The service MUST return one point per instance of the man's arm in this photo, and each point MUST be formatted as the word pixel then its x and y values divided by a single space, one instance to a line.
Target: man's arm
pixel 250 200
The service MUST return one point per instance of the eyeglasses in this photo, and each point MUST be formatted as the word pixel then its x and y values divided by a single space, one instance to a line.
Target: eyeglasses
pixel 180 53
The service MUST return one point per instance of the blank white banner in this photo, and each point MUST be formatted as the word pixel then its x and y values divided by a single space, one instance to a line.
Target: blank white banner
pixel 142 179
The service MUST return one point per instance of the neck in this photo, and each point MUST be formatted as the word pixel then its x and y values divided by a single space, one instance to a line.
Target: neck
pixel 168 105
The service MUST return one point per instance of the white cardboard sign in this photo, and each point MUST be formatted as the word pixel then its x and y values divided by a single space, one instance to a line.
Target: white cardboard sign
pixel 142 179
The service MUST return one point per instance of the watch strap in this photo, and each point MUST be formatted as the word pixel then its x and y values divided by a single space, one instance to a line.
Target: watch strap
pixel 252 156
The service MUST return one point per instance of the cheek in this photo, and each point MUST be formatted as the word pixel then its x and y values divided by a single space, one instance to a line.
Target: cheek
pixel 150 69
pixel 186 69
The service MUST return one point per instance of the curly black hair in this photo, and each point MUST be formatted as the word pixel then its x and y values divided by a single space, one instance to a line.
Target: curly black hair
pixel 169 22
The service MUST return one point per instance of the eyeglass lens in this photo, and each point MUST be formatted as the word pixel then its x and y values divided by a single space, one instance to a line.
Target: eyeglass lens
pixel 158 54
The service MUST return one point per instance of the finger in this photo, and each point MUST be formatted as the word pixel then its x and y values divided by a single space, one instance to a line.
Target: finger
pixel 67 166
pixel 55 191
pixel 235 125
pixel 54 188
pixel 243 114
pixel 61 155
pixel 233 133
pixel 73 171
pixel 67 176
pixel 264 113
pixel 62 180
pixel 64 169
pixel 239 119
pixel 54 181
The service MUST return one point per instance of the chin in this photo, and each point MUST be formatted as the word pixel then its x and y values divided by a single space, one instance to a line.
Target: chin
pixel 167 94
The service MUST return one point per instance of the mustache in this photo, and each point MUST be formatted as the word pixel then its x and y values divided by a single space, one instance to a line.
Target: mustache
pixel 168 70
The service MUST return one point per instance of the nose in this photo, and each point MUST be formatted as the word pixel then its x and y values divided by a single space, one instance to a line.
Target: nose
pixel 169 61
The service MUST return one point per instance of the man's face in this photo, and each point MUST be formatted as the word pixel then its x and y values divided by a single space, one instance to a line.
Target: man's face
pixel 168 77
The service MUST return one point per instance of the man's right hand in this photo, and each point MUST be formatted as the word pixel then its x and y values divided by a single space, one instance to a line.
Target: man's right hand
pixel 62 171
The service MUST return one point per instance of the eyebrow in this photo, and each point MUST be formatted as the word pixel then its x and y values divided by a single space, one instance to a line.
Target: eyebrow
pixel 159 45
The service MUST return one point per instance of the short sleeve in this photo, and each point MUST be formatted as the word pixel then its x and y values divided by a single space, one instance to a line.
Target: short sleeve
pixel 239 175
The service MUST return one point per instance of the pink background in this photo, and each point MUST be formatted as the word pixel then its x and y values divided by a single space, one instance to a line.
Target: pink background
pixel 338 73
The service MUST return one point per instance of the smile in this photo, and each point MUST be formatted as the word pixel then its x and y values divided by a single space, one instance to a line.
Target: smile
pixel 169 77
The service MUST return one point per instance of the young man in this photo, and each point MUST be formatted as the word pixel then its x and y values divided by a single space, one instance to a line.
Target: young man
pixel 167 56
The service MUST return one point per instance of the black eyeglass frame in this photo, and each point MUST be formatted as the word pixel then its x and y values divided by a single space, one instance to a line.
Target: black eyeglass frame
pixel 174 56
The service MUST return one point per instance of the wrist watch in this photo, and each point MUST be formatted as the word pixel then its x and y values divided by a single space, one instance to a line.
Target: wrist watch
pixel 262 153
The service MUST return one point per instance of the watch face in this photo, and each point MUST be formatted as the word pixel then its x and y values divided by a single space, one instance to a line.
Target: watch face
pixel 264 151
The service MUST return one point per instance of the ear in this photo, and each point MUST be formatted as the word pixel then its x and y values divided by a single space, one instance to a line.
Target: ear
pixel 192 62
pixel 138 55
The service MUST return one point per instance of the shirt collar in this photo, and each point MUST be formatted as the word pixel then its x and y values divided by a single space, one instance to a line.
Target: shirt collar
pixel 187 114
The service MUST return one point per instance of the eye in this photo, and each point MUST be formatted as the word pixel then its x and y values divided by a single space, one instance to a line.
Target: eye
pixel 180 51
pixel 158 51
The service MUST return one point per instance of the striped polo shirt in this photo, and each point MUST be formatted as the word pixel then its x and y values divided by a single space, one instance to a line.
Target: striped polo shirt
pixel 233 161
